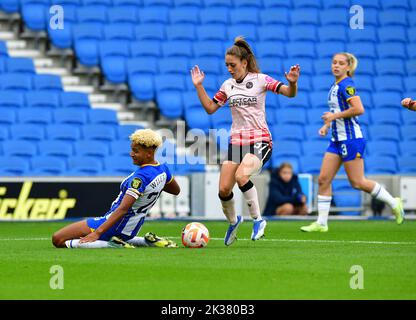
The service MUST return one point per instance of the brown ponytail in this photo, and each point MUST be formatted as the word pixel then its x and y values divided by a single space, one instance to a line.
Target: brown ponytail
pixel 242 50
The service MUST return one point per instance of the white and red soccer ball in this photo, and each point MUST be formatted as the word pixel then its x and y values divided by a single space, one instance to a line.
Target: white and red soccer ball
pixel 195 235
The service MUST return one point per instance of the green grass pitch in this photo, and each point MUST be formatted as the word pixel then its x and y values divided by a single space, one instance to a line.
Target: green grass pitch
pixel 287 264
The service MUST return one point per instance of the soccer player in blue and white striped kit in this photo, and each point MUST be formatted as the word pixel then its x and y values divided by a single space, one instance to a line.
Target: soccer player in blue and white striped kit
pixel 347 144
pixel 138 193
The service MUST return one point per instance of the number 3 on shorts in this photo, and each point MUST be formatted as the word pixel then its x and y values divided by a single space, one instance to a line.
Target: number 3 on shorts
pixel 344 150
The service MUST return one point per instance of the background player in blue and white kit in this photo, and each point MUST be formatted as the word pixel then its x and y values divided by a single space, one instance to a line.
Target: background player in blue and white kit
pixel 138 193
pixel 347 144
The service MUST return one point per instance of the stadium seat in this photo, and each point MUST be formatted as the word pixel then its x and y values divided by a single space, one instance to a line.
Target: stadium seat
pixel 371 17
pixel 218 3
pixel 74 100
pixel 407 164
pixel 314 115
pixel 307 4
pixel 47 166
pixel 248 4
pixel 64 132
pixel 211 32
pixel 380 165
pixel 332 33
pixel 299 101
pixel 302 33
pixel 210 66
pixel 186 14
pixel 101 132
pixel 3 50
pixel 120 147
pixel 34 13
pixel 62 37
pixel 391 50
pixel 319 99
pixel 92 14
pixel 221 118
pixel 141 73
pixel 245 16
pixel 311 164
pixel 154 14
pixel 118 166
pixel 304 84
pixel 103 3
pixel 384 132
pixel 288 132
pixel 408 132
pixel 393 67
pixel 214 15
pixel 113 56
pixel 102 116
pixel 91 148
pixel 411 50
pixel 392 34
pixel 291 116
pixel 124 131
pixel 19 148
pixel 391 83
pixel 270 49
pixel 55 148
pixel 181 31
pixel 366 67
pixel 11 99
pixel 334 16
pixel 315 147
pixel 271 66
pixel 197 118
pixel 368 34
pixel 13 166
pixel 20 65
pixel 411 67
pixel 300 49
pixel 71 116
pixel 412 38
pixel 288 148
pixel 146 48
pixel 16 82
pixel 272 32
pixel 311 132
pixel 86 39
pixel 47 82
pixel 362 49
pixel 386 116
pixel 364 83
pixel 304 16
pixel 382 148
pixel 177 48
pixel 409 118
pixel 327 49
pixel 150 31
pixel 30 132
pixel 204 49
pixel 10 6
pixel 174 66
pixel 123 14
pixel 274 17
pixel 42 100
pixel 34 115
pixel 249 32
pixel 394 4
pixel 321 67
pixel 8 117
pixel 119 31
pixel 393 17
pixel 323 82
pixel 83 166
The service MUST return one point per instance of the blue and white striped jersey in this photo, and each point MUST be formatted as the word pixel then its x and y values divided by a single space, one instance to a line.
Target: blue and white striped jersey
pixel 145 185
pixel 338 97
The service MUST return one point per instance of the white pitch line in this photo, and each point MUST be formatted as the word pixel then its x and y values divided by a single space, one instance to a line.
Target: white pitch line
pixel 266 240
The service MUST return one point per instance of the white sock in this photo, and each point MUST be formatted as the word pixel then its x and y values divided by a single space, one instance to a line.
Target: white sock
pixel 383 195
pixel 324 203
pixel 250 194
pixel 228 208
pixel 74 243
pixel 138 242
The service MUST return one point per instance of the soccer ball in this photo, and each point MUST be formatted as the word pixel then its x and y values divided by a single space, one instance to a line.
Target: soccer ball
pixel 195 235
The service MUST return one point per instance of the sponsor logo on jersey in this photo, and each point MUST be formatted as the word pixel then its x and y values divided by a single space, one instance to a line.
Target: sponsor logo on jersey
pixel 249 85
pixel 350 90
pixel 136 183
pixel 243 101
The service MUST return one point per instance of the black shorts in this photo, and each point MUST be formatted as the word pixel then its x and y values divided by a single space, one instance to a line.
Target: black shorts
pixel 262 150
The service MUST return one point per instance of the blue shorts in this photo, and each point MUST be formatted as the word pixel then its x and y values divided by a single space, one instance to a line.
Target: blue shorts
pixel 115 230
pixel 348 150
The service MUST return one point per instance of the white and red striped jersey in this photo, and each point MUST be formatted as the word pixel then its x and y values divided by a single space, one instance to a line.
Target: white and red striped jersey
pixel 247 102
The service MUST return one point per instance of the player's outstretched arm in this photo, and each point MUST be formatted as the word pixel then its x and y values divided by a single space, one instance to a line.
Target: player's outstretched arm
pixel 124 207
pixel 172 187
pixel 292 77
pixel 408 103
pixel 198 77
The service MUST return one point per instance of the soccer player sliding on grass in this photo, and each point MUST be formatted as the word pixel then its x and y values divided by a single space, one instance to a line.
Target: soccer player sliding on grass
pixel 250 144
pixel 347 144
pixel 138 193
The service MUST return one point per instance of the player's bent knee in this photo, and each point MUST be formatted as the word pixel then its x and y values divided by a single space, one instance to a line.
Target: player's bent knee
pixel 224 192
pixel 323 180
pixel 57 241
pixel 357 184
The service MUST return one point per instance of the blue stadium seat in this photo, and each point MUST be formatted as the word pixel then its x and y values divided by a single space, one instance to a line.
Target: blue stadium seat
pixel 30 132
pixel 83 166
pixel 141 73
pixel 55 148
pixel 302 33
pixel 271 66
pixel 367 34
pixel 198 118
pixel 62 37
pixel 113 56
pixel 311 164
pixel 182 31
pixel 271 32
pixel 123 14
pixel 336 4
pixel 19 148
pixel 382 148
pixel 100 132
pixel 91 148
pixel 34 13
pixel 11 99
pixel 322 83
pixel 362 49
pixel 189 164
pixel 177 48
pixel 270 49
pixel 306 66
pixel 119 31
pixel 321 67
pixel 154 14
pixel 299 101
pixel 371 17
pixel 249 32
pixel 411 67
pixel 288 132
pixel 214 15
pixel 386 116
pixel 34 116
pixel 102 116
pixel 190 99
pixel 407 164
pixel 86 39
pixel 222 118
pixel 366 67
pixel 16 82
pixel 127 3
pixel 244 16
pixel 150 31
pixel 332 33
pixel 168 94
pixel 270 117
pixel 13 166
pixel 411 34
pixel 307 4
pixel 146 48
pixel 20 65
pixel 334 16
pixel 10 6
pixel 408 148
pixel 174 66
pixel 248 4
pixel 104 3
pixel 395 4
pixel 74 100
pixel 160 3
pixel 71 116
pixel 384 132
pixel 208 49
pixel 288 148
pixel 124 131
pixel 291 116
pixel 410 83
pixel 8 117
pixel 47 166
pixel 209 65
pixel 366 100
pixel 411 50
pixel 63 132
pixel 277 4
pixel 412 22
pixel 300 49
pixel 47 82
pixel 274 17
pixel 211 32
pixel 188 3
pixel 319 99
pixel 327 49
pixel 409 118
pixel 42 100
pixel 391 50
pixel 211 84
pixel 276 161
pixel 3 50
pixel 392 34
pixel 306 16
pixel 314 115
pixel 92 14
pixel 389 83
pixel 315 147
pixel 120 147
pixel 218 3
pixel 394 67
pixel 386 100
pixel 393 17
pixel 364 83
pixel 118 166
pixel 380 165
